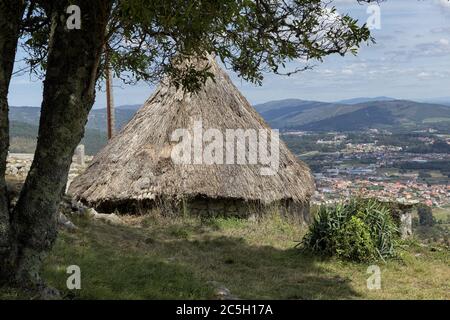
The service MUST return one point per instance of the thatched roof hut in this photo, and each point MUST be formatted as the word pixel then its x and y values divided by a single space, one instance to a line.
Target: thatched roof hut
pixel 137 169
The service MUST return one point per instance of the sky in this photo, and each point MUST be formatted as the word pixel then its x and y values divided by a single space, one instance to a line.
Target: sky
pixel 410 60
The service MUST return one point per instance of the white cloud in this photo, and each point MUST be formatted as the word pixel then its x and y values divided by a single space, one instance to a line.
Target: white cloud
pixel 445 30
pixel 423 75
pixel 444 42
pixel 358 66
pixel 347 71
pixel 327 72
pixel 444 3
pixel 433 74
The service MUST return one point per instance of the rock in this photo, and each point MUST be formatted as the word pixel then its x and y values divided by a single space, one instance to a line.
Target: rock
pixel 90 212
pixel 65 205
pixel 12 171
pixel 48 293
pixel 221 292
pixel 66 223
pixel 406 224
pixel 110 218
pixel 80 208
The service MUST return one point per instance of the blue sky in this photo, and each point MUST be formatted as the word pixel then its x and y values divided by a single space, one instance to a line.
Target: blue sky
pixel 411 60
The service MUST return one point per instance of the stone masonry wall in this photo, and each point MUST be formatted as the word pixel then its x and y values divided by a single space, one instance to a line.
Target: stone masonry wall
pixel 246 209
pixel 19 164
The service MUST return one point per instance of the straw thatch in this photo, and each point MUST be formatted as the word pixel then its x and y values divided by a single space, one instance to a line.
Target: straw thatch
pixel 136 166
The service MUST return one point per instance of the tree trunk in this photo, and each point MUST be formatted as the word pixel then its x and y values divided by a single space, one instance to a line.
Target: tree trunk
pixel 11 12
pixel 69 93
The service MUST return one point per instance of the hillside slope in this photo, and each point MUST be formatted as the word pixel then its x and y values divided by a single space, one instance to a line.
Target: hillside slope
pixel 153 257
pixel 97 118
pixel 385 114
pixel 23 138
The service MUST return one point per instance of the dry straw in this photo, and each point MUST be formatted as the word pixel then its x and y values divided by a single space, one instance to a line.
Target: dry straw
pixel 136 165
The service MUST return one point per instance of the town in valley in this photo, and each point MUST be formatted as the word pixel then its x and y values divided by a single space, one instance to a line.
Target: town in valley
pixel 379 164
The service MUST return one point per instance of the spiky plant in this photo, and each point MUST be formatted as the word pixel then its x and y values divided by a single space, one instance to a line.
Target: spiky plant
pixel 361 229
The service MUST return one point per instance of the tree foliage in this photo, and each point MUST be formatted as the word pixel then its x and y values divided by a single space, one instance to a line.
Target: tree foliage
pixel 149 39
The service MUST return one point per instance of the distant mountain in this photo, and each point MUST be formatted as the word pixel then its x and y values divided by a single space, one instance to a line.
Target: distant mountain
pixel 288 114
pixel 441 100
pixel 97 117
pixel 134 107
pixel 23 138
pixel 24 122
pixel 282 113
pixel 319 116
pixel 297 113
pixel 29 115
pixel 364 100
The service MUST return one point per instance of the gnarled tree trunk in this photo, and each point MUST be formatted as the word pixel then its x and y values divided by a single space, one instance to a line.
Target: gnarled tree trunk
pixel 69 93
pixel 11 12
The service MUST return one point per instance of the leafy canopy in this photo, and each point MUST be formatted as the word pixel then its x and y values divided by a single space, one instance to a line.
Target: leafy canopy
pixel 149 39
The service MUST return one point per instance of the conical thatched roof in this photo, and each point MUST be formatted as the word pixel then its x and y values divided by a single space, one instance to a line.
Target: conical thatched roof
pixel 137 164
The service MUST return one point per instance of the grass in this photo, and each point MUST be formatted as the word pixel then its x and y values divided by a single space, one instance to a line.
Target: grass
pixel 442 215
pixel 180 258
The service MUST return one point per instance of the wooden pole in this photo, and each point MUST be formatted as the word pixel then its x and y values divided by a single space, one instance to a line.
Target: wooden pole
pixel 109 100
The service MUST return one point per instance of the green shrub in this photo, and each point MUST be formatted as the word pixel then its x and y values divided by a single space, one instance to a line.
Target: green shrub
pixel 383 229
pixel 360 230
pixel 323 231
pixel 354 242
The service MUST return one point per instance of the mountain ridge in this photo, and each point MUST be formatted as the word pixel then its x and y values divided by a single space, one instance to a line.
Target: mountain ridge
pixel 287 114
pixel 365 99
pixel 324 116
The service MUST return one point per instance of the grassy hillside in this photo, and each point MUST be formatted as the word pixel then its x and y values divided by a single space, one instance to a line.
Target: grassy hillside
pixel 187 258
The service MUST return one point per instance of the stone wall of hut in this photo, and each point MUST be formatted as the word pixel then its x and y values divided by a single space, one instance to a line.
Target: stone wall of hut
pixel 246 209
pixel 208 208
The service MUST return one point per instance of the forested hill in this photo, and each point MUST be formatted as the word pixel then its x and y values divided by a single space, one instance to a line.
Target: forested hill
pixel 349 115
pixel 383 114
pixel 25 121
